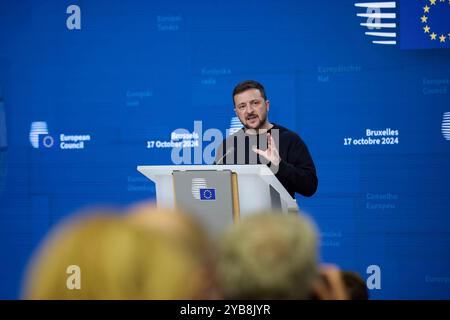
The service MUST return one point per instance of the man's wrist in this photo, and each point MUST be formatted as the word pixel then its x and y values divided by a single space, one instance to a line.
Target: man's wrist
pixel 277 162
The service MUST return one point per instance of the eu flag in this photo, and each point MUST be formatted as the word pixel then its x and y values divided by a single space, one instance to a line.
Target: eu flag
pixel 424 24
pixel 208 194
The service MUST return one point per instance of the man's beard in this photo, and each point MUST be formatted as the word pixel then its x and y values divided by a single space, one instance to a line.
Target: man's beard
pixel 262 122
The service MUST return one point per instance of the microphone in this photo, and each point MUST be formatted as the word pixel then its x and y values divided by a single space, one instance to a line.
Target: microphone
pixel 226 153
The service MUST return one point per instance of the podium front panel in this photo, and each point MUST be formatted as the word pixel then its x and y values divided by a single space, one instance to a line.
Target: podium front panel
pixel 207 195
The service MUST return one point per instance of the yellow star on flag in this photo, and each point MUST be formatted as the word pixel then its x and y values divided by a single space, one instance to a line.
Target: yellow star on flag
pixel 433 36
pixel 426 29
pixel 433 2
pixel 426 9
pixel 442 38
pixel 424 19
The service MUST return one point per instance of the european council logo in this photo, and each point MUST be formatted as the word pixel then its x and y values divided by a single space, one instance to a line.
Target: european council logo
pixel 200 190
pixel 381 21
pixel 424 24
pixel 235 126
pixel 197 184
pixel 39 135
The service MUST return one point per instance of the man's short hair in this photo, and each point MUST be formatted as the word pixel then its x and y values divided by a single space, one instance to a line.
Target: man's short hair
pixel 247 85
pixel 269 256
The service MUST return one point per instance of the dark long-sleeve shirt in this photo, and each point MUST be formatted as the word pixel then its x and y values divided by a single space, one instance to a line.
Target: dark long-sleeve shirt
pixel 296 170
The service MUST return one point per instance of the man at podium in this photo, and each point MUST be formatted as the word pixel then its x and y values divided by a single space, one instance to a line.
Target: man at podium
pixel 263 142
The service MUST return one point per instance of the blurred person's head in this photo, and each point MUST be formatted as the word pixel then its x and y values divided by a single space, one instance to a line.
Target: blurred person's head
pixel 269 256
pixel 175 224
pixel 185 231
pixel 116 260
pixel 355 285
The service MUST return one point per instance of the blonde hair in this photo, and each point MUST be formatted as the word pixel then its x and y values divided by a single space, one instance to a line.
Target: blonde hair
pixel 186 232
pixel 117 259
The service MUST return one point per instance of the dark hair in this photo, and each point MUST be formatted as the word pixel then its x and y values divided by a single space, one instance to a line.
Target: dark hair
pixel 355 285
pixel 247 85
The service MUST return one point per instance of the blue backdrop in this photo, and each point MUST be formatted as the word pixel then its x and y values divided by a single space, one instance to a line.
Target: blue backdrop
pixel 121 76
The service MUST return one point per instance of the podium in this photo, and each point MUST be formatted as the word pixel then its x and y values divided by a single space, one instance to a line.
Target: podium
pixel 219 195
